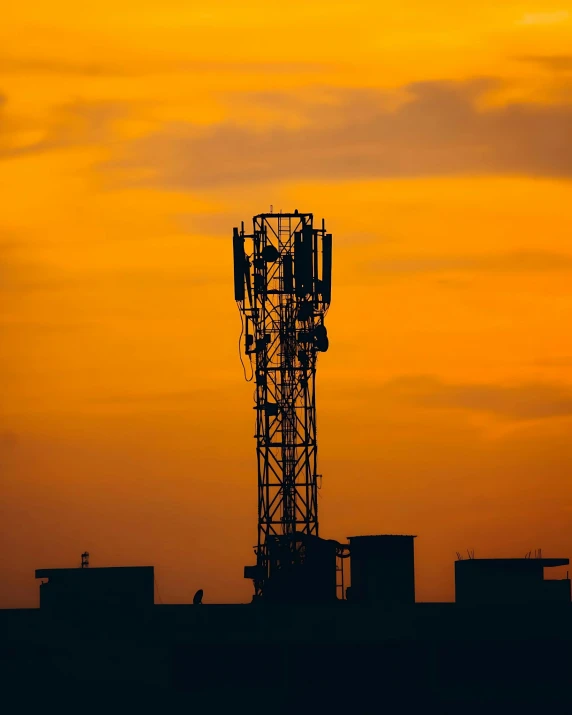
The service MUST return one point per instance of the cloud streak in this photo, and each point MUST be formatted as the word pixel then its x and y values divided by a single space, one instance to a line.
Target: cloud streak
pixel 144 67
pixel 524 402
pixel 544 18
pixel 515 262
pixel 357 134
pixel 77 124
pixel 553 63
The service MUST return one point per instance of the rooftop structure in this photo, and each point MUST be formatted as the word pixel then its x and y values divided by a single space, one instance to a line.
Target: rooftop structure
pixel 382 570
pixel 509 581
pixel 85 588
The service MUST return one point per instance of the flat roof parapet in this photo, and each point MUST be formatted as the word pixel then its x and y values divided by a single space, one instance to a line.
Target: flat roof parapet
pixel 384 536
pixel 47 573
pixel 545 563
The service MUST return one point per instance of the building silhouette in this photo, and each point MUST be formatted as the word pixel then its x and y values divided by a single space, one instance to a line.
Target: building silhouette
pixel 124 588
pixel 509 582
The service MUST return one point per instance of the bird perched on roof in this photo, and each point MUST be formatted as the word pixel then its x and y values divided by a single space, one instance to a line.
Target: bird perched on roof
pixel 198 597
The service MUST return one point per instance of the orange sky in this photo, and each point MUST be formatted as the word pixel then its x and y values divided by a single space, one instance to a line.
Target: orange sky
pixel 436 140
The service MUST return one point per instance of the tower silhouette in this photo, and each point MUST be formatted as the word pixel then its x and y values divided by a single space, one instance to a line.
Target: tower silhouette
pixel 282 285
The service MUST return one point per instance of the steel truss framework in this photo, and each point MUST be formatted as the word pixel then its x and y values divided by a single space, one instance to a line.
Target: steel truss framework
pixel 283 287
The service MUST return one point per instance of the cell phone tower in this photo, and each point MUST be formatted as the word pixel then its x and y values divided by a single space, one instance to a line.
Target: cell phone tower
pixel 282 285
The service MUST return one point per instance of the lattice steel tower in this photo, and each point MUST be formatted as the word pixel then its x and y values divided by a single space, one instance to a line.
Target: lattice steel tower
pixel 282 285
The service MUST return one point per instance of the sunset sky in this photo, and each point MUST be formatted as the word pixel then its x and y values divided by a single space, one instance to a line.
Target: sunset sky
pixel 436 140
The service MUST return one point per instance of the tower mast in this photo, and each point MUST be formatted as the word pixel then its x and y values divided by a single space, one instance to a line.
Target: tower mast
pixel 282 282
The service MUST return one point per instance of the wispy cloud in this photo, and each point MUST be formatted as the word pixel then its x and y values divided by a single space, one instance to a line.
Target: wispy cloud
pixel 19 274
pixel 544 18
pixel 144 67
pixel 553 63
pixel 208 224
pixel 529 401
pixel 76 124
pixel 515 262
pixel 559 361
pixel 151 399
pixel 357 133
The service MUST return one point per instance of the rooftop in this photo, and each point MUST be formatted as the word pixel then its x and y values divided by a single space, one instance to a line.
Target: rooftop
pixel 545 563
pixel 384 536
pixel 104 570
